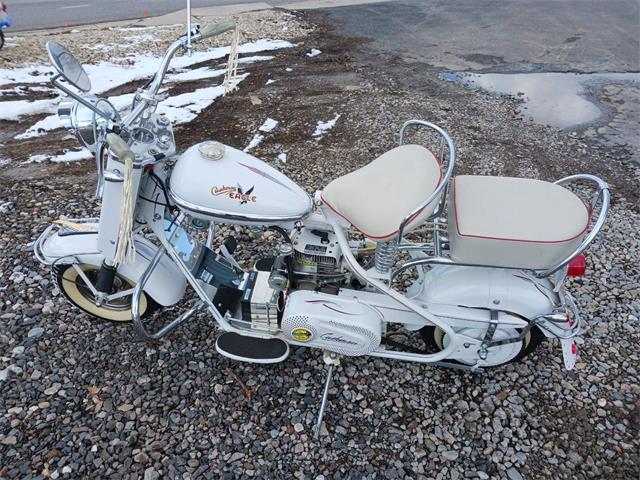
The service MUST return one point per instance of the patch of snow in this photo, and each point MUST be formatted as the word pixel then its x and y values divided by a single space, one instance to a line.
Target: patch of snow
pixel 4 161
pixel 30 74
pixel 106 76
pixel 41 128
pixel 103 48
pixel 73 156
pixel 269 82
pixel 6 207
pixel 256 58
pixel 288 69
pixel 186 106
pixel 196 74
pixel 283 157
pixel 268 125
pixel 255 141
pixel 36 158
pixel 23 90
pixel 14 109
pixel 67 156
pixel 145 37
pixel 314 52
pixel 324 127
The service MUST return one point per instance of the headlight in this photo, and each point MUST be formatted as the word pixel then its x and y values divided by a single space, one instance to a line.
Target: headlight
pixel 84 122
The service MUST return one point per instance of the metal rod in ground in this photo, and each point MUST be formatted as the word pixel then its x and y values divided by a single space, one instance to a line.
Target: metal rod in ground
pixel 323 404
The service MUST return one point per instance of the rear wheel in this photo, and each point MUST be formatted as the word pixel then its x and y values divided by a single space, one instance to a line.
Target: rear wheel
pixel 437 340
pixel 79 294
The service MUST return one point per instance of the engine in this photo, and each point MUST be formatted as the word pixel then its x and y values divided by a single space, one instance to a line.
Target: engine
pixel 316 253
pixel 339 324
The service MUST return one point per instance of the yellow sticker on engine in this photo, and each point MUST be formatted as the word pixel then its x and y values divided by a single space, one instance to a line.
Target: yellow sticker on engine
pixel 301 334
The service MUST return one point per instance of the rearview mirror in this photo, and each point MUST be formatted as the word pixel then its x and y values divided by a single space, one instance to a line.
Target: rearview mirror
pixel 68 66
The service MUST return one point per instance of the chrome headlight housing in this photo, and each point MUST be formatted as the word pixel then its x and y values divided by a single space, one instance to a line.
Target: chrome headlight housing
pixel 87 125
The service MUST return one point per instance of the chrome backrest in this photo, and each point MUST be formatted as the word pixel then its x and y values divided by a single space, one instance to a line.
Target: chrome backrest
pixel 603 196
pixel 441 190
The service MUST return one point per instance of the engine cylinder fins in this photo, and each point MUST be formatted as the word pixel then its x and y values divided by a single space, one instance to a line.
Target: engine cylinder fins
pixel 385 257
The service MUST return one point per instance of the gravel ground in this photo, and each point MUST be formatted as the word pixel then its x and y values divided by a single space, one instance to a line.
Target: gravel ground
pixel 82 398
pixel 26 49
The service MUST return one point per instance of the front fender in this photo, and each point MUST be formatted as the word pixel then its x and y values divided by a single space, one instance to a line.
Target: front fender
pixel 166 285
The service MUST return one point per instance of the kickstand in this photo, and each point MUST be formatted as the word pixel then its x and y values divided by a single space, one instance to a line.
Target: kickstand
pixel 331 359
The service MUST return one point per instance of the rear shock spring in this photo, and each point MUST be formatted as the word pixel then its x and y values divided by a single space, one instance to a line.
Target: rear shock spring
pixel 386 253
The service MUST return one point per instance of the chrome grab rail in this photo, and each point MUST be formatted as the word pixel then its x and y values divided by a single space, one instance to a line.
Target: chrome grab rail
pixel 442 188
pixel 604 196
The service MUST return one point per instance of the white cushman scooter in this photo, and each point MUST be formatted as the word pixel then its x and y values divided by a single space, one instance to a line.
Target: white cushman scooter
pixel 489 255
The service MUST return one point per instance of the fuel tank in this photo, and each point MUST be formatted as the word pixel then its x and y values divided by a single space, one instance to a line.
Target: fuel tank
pixel 217 182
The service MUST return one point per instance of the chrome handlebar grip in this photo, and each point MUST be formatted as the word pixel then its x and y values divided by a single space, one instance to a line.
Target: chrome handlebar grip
pixel 214 29
pixel 158 79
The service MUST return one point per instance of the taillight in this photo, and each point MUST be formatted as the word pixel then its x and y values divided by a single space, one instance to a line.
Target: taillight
pixel 577 266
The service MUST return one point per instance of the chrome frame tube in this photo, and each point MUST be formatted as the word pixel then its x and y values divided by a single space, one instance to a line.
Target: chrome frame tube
pixel 442 188
pixel 138 325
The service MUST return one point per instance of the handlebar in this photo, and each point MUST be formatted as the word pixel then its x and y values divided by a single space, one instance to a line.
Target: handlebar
pixel 207 32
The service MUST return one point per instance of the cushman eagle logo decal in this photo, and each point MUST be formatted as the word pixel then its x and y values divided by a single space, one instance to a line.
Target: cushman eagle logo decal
pixel 236 193
pixel 301 334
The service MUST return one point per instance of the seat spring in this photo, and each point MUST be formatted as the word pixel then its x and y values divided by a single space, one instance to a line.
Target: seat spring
pixel 386 253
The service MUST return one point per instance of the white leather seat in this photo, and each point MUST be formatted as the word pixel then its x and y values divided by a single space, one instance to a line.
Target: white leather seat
pixel 377 197
pixel 513 222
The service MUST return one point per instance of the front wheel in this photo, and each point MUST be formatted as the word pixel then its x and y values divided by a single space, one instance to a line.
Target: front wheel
pixel 73 286
pixel 437 340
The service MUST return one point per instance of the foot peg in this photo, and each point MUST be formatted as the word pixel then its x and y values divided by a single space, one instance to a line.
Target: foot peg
pixel 251 349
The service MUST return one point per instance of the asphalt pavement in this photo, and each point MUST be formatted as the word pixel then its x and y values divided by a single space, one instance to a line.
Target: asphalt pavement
pixel 502 35
pixel 36 14
pixel 39 14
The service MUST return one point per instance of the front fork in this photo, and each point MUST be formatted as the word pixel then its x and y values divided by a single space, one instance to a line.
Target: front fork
pixel 109 228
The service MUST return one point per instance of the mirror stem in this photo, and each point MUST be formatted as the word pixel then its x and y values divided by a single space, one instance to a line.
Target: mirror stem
pixel 77 97
pixel 189 27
